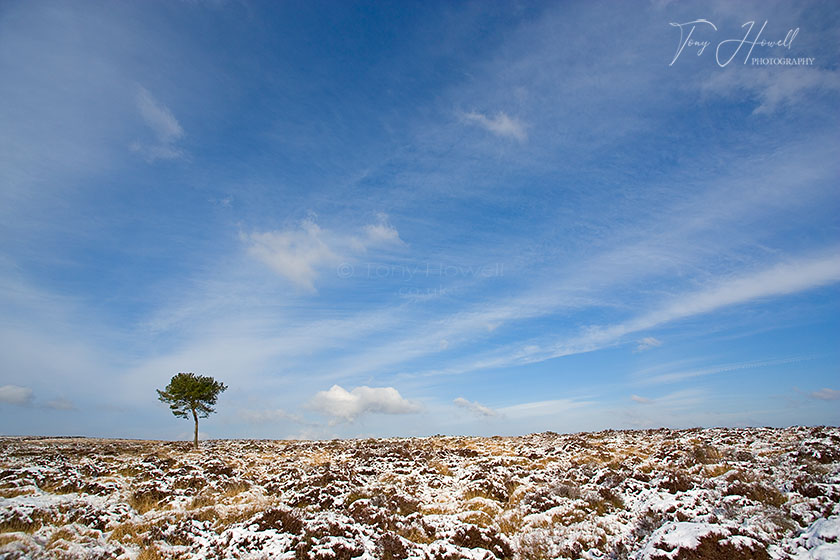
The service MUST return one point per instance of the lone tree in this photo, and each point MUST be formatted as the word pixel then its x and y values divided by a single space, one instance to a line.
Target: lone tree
pixel 188 392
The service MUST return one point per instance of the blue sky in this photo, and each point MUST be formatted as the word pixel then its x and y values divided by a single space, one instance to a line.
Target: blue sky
pixel 417 218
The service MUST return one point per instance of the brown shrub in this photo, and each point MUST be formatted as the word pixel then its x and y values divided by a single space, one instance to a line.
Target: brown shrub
pixel 146 499
pixel 711 548
pixel 677 481
pixel 545 498
pixel 392 547
pixel 704 453
pixel 470 536
pixel 285 520
pixel 757 493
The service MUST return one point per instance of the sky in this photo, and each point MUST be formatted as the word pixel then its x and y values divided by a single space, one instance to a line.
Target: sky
pixel 375 219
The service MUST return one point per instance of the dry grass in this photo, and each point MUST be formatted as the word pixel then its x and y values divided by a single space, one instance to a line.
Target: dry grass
pixel 758 493
pixel 15 492
pixel 715 471
pixel 318 458
pixel 130 533
pixel 355 496
pixel 489 507
pixel 7 539
pixel 150 553
pixel 26 524
pixel 534 546
pixel 477 517
pixel 441 468
pixel 510 523
pixel 202 501
pixel 60 537
pixel 551 495
pixel 239 515
pixel 416 535
pixel 209 514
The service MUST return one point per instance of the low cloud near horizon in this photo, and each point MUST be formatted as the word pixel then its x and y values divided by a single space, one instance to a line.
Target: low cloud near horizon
pixel 15 394
pixel 475 407
pixel 347 406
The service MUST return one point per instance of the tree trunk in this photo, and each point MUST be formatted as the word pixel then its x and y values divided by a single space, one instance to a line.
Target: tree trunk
pixel 195 417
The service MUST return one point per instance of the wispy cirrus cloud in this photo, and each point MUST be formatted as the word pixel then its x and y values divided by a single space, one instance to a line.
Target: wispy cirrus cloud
pixel 788 277
pixel 499 124
pixel 773 89
pixel 673 377
pixel 301 254
pixel 647 343
pixel 475 408
pixel 826 394
pixel 544 408
pixel 164 126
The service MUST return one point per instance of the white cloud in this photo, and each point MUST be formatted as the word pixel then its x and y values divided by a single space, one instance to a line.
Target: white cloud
pixel 382 232
pixel 642 400
pixel 345 405
pixel 475 408
pixel 295 254
pixel 647 343
pixel 500 125
pixel 300 254
pixel 15 394
pixel 826 394
pixel 164 125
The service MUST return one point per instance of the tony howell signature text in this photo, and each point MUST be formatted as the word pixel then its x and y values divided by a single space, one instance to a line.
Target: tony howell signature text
pixel 728 49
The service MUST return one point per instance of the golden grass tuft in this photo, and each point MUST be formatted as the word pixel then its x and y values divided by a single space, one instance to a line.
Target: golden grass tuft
pixel 714 471
pixel 25 525
pixel 202 501
pixel 441 468
pixel 129 533
pixel 209 514
pixel 416 535
pixel 143 504
pixel 150 553
pixel 7 539
pixel 14 492
pixel 239 515
pixel 59 537
pixel 477 517
pixel 489 507
pixel 511 524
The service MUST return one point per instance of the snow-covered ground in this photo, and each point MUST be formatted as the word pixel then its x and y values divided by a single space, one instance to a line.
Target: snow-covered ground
pixel 658 494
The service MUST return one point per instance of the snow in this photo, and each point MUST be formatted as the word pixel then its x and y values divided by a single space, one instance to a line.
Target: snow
pixel 639 495
pixel 820 541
